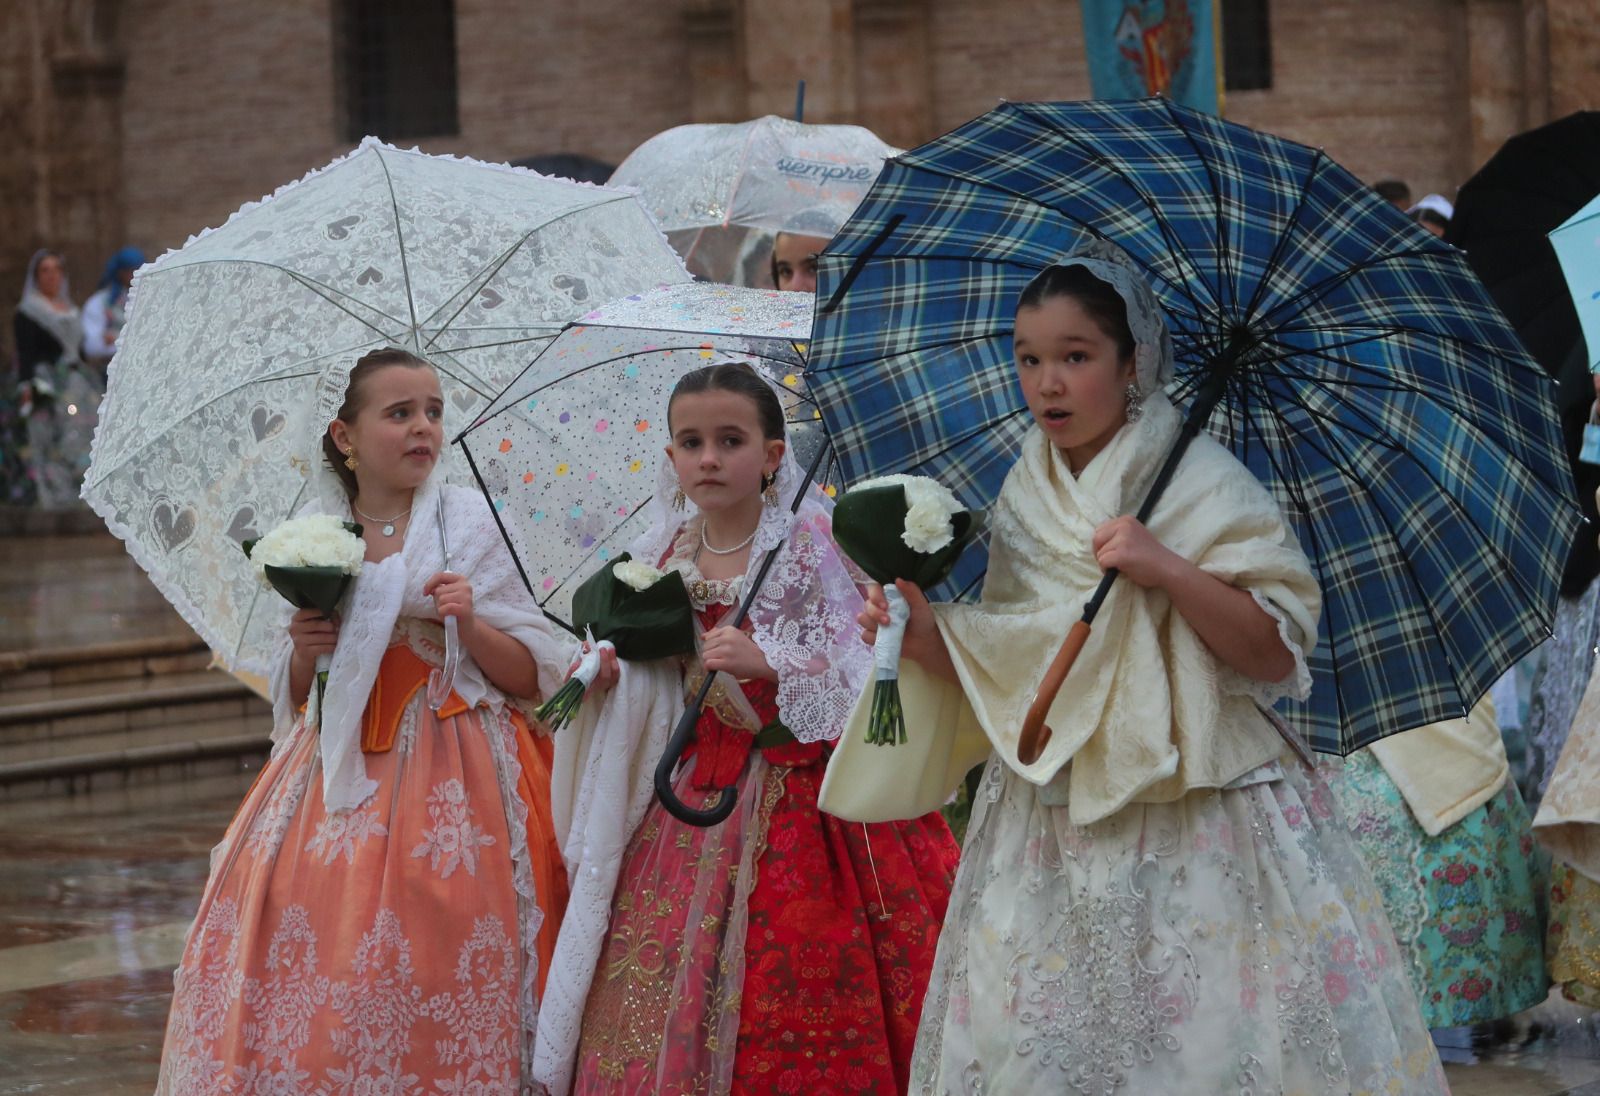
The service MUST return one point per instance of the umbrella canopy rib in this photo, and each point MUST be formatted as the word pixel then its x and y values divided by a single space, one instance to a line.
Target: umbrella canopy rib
pixel 400 241
pixel 1180 287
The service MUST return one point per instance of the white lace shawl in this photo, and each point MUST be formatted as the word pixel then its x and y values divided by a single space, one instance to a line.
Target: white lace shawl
pixel 386 591
pixel 804 617
pixel 600 787
pixel 60 319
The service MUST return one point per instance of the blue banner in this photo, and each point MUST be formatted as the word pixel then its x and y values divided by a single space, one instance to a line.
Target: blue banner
pixel 1138 48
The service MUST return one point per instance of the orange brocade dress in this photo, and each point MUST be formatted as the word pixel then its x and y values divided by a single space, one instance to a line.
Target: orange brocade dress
pixel 397 947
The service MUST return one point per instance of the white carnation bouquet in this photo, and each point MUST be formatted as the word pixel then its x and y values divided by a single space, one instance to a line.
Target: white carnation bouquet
pixel 900 527
pixel 317 540
pixel 310 561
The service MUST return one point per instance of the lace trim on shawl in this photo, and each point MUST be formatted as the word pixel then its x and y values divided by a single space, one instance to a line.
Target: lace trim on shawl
pixel 501 732
pixel 1296 684
pixel 809 606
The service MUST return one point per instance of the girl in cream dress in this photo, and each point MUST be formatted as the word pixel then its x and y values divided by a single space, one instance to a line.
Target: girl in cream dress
pixel 1162 900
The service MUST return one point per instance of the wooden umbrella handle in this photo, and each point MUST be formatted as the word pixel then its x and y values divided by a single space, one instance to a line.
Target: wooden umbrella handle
pixel 1035 735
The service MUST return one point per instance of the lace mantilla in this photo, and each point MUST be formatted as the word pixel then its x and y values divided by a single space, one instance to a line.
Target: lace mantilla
pixel 803 618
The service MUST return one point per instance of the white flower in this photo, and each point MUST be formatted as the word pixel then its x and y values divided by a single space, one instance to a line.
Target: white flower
pixel 317 540
pixel 929 512
pixel 636 575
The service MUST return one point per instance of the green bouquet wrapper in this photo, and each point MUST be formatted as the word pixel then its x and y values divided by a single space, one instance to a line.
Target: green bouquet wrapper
pixel 656 622
pixel 868 526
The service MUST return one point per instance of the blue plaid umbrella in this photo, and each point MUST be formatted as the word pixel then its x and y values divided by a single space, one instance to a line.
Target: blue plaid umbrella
pixel 1354 362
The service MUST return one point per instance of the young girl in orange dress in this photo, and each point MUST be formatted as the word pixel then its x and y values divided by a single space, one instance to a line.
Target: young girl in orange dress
pixel 782 950
pixel 381 912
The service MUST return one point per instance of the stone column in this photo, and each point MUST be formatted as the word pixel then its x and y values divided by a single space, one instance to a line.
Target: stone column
pixel 1494 74
pixel 718 90
pixel 1574 55
pixel 893 75
pixel 810 40
pixel 61 127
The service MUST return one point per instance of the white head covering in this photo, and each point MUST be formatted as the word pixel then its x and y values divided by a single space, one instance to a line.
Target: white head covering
pixel 57 315
pixel 1152 341
pixel 1435 203
pixel 803 618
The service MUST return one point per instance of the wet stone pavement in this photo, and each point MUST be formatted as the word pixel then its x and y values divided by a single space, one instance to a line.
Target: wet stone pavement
pixel 96 893
pixel 95 897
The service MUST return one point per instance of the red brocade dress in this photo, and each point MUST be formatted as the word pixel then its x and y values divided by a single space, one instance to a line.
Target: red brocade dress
pixel 783 951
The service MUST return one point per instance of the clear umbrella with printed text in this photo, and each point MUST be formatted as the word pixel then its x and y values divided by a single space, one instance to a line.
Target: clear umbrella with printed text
pixel 569 455
pixel 720 191
pixel 1352 361
pixel 239 344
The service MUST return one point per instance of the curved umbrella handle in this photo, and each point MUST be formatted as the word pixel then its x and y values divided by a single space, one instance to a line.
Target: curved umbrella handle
pixel 442 681
pixel 1035 734
pixel 681 735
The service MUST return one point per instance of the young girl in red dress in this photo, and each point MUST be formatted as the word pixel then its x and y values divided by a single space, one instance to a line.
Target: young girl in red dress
pixel 782 950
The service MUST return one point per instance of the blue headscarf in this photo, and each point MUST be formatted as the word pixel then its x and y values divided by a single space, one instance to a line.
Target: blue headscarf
pixel 129 258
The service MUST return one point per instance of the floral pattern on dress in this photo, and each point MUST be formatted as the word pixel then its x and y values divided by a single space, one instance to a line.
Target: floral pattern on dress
pixel 334 963
pixel 341 833
pixel 281 1004
pixel 1467 906
pixel 272 824
pixel 454 840
pixel 481 1053
pixel 1573 943
pixel 835 937
pixel 1228 942
pixel 378 1008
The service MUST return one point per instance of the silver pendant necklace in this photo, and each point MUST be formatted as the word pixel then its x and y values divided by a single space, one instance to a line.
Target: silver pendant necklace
pixel 388 523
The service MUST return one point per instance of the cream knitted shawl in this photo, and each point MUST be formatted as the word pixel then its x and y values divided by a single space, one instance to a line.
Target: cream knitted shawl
pixel 1148 712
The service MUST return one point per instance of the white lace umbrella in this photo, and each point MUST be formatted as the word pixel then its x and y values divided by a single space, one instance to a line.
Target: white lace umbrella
pixel 238 346
pixel 720 191
pixel 568 454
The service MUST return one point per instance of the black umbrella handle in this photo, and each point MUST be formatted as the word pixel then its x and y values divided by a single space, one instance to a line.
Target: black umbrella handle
pixel 684 732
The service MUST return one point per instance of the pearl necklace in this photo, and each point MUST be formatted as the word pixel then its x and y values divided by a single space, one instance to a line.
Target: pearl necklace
pixel 388 523
pixel 706 544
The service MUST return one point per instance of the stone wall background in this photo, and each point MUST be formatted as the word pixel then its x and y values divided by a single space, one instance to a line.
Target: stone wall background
pixel 143 121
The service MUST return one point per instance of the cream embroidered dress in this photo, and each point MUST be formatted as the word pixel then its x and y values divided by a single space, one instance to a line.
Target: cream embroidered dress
pixel 1158 903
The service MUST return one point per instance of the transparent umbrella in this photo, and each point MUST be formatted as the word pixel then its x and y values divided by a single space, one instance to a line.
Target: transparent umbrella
pixel 721 191
pixel 568 453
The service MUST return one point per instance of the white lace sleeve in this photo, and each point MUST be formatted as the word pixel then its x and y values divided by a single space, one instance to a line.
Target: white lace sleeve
pixel 1296 684
pixel 805 623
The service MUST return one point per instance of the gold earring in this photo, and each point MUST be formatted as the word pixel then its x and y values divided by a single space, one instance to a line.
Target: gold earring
pixel 678 499
pixel 350 461
pixel 769 490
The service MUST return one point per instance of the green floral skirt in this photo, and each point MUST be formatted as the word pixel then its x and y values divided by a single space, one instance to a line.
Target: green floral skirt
pixel 1468 906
